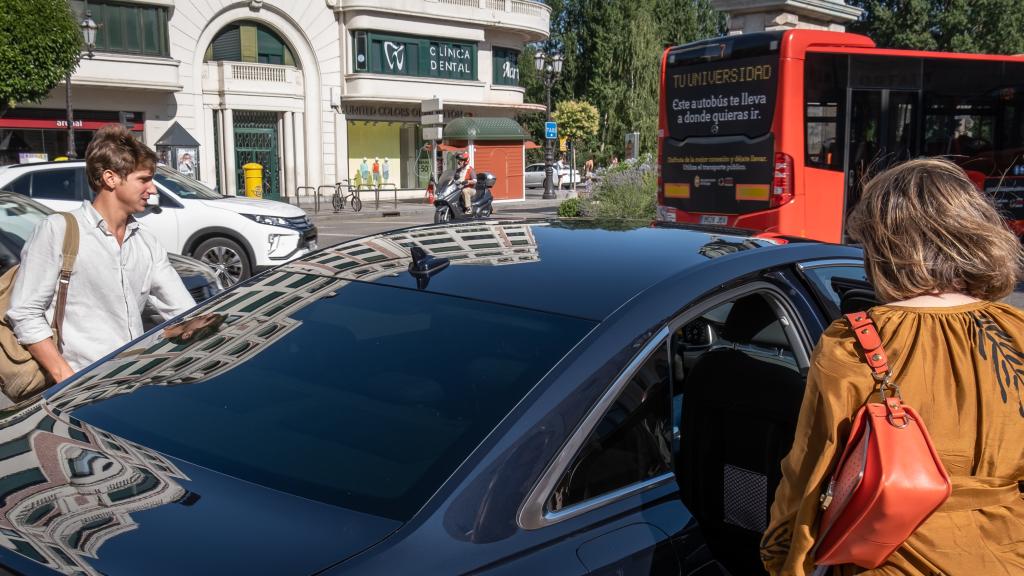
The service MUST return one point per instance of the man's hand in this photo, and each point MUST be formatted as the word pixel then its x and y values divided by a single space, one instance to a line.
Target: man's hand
pixel 49 358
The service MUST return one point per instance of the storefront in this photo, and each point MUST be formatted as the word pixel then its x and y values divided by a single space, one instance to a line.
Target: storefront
pixel 41 134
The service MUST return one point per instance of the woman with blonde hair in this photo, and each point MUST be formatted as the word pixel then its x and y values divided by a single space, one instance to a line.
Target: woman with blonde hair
pixel 939 255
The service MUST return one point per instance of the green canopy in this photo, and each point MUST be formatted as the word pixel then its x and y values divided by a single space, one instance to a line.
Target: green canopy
pixel 476 128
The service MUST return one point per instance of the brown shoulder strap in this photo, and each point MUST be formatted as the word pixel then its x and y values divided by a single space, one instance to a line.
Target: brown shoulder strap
pixel 869 340
pixel 70 253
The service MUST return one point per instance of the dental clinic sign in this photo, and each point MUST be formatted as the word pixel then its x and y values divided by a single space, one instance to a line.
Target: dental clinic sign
pixel 412 56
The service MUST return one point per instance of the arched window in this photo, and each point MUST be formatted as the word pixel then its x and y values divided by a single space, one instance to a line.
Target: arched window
pixel 249 42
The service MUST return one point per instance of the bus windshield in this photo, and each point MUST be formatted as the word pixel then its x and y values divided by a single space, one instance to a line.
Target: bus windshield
pixel 719 102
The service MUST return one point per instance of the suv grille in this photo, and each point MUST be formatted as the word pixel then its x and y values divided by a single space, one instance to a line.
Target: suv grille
pixel 299 222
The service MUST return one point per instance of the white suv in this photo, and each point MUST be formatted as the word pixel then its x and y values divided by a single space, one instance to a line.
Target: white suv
pixel 237 236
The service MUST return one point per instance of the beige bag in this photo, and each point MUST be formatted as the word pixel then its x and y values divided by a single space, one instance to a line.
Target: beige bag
pixel 20 375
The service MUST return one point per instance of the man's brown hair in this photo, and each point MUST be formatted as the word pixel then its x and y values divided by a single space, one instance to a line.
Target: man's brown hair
pixel 115 148
pixel 927 229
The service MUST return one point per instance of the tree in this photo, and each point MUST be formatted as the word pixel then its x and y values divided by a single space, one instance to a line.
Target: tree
pixel 613 52
pixel 986 26
pixel 578 120
pixel 40 44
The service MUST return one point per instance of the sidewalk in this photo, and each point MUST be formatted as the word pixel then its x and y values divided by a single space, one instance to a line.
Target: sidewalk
pixel 533 205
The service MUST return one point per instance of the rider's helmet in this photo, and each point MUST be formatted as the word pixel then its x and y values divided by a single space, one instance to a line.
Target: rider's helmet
pixel 462 157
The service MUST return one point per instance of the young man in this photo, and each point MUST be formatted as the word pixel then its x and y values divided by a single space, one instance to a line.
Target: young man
pixel 119 269
pixel 467 175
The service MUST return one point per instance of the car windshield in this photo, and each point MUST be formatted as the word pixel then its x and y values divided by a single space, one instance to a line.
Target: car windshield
pixel 184 186
pixel 18 217
pixel 349 393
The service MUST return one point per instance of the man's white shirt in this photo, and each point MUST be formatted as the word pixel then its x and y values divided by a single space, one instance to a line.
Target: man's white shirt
pixel 110 286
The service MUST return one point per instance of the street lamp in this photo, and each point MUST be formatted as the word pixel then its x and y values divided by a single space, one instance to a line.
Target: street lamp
pixel 549 73
pixel 89 28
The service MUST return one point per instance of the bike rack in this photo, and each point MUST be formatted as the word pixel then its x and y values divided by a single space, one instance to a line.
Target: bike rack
pixel 389 186
pixel 318 188
pixel 316 199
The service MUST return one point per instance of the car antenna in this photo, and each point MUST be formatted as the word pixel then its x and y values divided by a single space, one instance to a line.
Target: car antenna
pixel 424 266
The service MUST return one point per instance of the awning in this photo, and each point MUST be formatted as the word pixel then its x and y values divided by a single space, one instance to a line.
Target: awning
pixel 531 145
pixel 477 128
pixel 442 147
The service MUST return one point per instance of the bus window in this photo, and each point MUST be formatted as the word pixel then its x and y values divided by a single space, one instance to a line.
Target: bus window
pixel 825 93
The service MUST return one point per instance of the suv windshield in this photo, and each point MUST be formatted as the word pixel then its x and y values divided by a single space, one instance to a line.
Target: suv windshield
pixel 349 393
pixel 183 186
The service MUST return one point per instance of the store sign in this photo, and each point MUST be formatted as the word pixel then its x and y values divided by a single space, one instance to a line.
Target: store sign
pixel 394 112
pixel 505 63
pixel 413 56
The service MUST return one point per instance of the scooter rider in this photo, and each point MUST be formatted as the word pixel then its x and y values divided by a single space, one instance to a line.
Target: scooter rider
pixel 467 176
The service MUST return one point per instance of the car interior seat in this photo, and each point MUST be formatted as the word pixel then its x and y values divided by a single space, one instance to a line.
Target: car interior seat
pixel 740 405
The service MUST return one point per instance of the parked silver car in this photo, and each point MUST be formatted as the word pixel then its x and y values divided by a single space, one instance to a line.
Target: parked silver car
pixel 535 176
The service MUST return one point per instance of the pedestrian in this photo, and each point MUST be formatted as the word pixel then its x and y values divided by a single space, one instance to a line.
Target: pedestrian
pixel 588 168
pixel 940 256
pixel 120 268
pixel 615 162
pixel 559 171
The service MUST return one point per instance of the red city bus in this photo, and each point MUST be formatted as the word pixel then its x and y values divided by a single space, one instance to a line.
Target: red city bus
pixel 776 131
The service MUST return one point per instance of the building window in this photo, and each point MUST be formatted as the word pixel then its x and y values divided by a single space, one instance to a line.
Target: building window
pixel 411 56
pixel 506 66
pixel 127 28
pixel 249 42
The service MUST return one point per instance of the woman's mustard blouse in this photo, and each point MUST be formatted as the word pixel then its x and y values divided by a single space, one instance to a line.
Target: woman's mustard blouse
pixel 962 369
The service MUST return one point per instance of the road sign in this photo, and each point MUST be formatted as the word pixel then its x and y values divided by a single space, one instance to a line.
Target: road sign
pixel 551 130
pixel 432 105
pixel 433 132
pixel 432 119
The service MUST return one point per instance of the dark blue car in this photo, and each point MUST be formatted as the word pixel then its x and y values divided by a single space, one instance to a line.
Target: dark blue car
pixel 538 397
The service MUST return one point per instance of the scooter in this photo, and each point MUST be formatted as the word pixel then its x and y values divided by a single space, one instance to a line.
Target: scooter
pixel 448 204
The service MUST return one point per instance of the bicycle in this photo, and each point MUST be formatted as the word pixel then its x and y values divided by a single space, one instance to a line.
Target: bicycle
pixel 338 199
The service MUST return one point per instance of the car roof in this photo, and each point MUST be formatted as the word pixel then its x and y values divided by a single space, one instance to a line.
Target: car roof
pixel 578 268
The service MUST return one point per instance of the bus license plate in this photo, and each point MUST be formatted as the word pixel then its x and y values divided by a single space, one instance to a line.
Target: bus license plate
pixel 716 220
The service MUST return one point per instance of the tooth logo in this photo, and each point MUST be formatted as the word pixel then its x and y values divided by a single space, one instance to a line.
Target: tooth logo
pixel 395 55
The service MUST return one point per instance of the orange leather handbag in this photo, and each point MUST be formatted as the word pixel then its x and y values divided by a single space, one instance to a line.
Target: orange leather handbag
pixel 889 478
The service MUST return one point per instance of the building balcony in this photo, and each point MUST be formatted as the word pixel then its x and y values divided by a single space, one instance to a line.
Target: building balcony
pixel 526 16
pixel 113 70
pixel 254 79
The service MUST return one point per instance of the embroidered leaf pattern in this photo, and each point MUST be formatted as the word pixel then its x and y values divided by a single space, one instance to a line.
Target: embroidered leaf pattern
pixel 1007 361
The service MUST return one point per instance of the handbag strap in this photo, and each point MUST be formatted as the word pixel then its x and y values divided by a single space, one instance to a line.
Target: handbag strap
pixel 874 354
pixel 69 251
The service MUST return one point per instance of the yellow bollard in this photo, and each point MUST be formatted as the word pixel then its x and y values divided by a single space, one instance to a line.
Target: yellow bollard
pixel 253 173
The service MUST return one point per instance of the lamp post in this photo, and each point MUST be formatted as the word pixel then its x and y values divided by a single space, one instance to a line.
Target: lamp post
pixel 549 72
pixel 89 28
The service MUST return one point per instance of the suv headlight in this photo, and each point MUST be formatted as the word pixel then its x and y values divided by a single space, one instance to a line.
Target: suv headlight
pixel 270 220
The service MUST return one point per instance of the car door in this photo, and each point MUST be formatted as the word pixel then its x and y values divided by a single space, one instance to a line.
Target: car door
pixel 534 175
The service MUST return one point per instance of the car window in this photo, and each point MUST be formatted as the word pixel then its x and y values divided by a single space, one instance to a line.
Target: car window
pixel 17 220
pixel 630 444
pixel 354 394
pixel 20 185
pixel 183 186
pixel 57 184
pixel 841 289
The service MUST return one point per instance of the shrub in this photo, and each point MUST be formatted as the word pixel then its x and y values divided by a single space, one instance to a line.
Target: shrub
pixel 627 192
pixel 570 208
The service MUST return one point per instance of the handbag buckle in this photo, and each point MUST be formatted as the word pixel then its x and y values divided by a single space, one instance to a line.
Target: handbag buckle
pixel 826 498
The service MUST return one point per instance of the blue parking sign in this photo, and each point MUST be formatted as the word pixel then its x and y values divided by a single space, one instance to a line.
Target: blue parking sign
pixel 551 130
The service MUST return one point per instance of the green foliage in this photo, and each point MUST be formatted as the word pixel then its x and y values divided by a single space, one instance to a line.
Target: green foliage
pixel 629 191
pixel 984 26
pixel 570 208
pixel 613 51
pixel 39 44
pixel 576 119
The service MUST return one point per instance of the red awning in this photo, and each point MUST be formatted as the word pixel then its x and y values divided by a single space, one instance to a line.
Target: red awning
pixel 443 147
pixel 531 145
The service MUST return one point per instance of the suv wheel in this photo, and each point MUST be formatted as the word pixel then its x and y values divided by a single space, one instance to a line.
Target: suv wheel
pixel 226 257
